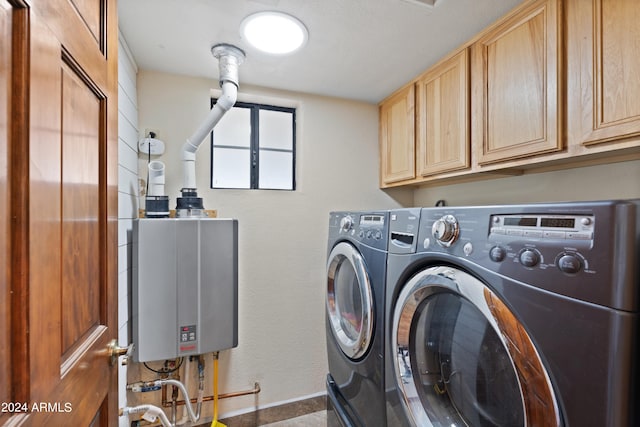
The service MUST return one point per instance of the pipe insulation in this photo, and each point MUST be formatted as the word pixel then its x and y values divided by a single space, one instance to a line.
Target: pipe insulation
pixel 229 58
pixel 156 178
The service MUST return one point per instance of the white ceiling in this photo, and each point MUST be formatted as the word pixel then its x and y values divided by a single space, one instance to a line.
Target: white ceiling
pixel 357 49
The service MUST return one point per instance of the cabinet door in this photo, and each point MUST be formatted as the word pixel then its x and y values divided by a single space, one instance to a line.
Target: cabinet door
pixel 516 94
pixel 609 68
pixel 442 117
pixel 397 137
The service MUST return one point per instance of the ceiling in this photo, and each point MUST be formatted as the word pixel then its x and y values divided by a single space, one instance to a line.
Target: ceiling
pixel 357 49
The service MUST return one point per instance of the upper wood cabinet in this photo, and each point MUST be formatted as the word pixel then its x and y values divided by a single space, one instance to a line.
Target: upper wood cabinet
pixel 516 69
pixel 442 117
pixel 604 42
pixel 553 84
pixel 397 137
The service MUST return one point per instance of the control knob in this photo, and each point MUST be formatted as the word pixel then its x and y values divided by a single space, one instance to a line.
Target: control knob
pixel 529 258
pixel 346 223
pixel 446 230
pixel 569 263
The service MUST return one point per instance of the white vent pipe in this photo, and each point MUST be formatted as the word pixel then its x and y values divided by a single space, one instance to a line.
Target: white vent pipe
pixel 156 178
pixel 229 58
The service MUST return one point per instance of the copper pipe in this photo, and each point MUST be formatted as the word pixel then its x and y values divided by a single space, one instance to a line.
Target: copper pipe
pixel 168 404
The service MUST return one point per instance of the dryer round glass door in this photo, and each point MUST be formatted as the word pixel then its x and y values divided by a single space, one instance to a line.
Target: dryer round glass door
pixel 349 300
pixel 461 358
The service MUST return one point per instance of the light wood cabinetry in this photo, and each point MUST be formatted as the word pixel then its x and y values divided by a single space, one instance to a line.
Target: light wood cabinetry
pixel 397 137
pixel 442 117
pixel 554 84
pixel 603 52
pixel 516 71
pixel 424 127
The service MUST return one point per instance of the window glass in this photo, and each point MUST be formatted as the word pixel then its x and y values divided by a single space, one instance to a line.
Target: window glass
pixel 231 168
pixel 232 129
pixel 253 147
pixel 275 170
pixel 276 129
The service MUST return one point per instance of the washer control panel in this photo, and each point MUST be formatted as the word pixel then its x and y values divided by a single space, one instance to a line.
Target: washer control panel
pixel 577 249
pixel 567 233
pixel 369 228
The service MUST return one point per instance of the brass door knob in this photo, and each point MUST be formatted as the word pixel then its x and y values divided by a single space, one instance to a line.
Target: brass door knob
pixel 114 351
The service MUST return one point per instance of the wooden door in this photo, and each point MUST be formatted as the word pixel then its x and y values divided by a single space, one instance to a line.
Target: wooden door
pixel 607 35
pixel 5 261
pixel 397 137
pixel 516 76
pixel 442 117
pixel 63 178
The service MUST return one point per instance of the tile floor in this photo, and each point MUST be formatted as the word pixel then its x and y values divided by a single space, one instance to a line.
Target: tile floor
pixel 314 419
pixel 305 413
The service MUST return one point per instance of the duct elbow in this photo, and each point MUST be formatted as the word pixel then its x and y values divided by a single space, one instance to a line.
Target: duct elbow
pixel 229 96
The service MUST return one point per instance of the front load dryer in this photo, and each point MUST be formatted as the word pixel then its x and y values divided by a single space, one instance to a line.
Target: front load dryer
pixel 523 315
pixel 356 271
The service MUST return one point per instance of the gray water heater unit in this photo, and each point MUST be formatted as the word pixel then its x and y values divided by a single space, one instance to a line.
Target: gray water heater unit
pixel 185 287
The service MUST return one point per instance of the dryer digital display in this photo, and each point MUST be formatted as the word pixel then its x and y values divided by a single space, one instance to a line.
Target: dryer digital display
pixel 522 222
pixel 558 222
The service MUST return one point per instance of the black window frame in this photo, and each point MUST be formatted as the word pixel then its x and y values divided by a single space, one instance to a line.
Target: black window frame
pixel 254 146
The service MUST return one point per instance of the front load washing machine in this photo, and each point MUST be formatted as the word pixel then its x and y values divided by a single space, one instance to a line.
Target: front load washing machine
pixel 523 315
pixel 356 270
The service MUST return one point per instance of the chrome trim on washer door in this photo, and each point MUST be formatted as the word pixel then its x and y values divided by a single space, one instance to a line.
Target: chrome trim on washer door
pixel 437 386
pixel 350 314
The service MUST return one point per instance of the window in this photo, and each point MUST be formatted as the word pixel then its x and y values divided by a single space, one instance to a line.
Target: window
pixel 253 147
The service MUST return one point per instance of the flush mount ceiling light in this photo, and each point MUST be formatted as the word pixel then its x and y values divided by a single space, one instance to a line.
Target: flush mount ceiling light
pixel 274 32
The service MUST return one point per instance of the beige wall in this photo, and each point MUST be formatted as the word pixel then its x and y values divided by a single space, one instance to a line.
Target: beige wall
pixel 612 181
pixel 282 234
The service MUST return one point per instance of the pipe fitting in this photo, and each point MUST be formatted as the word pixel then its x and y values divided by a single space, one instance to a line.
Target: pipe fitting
pixel 152 410
pixel 229 58
pixel 156 178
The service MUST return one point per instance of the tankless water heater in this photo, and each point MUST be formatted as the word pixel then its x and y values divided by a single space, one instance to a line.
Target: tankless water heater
pixel 185 287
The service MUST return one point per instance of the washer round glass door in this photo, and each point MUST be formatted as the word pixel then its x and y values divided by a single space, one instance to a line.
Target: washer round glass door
pixel 349 300
pixel 461 358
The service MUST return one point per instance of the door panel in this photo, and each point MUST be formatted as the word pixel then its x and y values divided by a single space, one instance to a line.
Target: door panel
pixel 442 111
pixel 609 69
pixel 81 222
pixel 397 137
pixel 516 72
pixel 90 11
